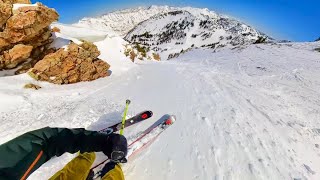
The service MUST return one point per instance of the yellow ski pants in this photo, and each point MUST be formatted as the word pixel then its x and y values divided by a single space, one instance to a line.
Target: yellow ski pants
pixel 79 168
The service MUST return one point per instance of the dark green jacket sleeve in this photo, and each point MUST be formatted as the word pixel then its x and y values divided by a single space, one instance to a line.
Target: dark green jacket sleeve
pixel 24 154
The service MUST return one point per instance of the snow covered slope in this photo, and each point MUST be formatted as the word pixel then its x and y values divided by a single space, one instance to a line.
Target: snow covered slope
pixel 123 21
pixel 243 113
pixel 87 33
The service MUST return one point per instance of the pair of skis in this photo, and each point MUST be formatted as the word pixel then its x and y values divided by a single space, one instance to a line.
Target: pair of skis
pixel 141 140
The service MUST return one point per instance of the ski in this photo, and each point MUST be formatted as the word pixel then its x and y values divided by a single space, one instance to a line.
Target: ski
pixel 143 139
pixel 150 135
pixel 129 122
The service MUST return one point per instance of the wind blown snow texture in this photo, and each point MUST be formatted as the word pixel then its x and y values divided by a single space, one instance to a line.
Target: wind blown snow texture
pixel 247 113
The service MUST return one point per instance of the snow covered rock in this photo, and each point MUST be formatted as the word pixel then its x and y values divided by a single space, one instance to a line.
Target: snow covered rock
pixel 73 64
pixel 27 26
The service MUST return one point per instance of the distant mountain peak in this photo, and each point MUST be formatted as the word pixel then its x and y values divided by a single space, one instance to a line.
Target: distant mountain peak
pixel 170 30
pixel 183 28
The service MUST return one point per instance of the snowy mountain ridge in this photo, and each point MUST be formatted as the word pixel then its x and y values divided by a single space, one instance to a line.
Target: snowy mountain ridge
pixel 171 30
pixel 176 31
pixel 122 21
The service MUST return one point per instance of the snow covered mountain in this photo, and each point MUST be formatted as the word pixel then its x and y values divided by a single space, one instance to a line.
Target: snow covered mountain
pixel 178 30
pixel 122 21
pixel 170 30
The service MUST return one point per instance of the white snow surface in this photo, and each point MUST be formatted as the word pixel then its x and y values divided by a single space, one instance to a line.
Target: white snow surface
pixel 88 33
pixel 244 113
pixel 19 5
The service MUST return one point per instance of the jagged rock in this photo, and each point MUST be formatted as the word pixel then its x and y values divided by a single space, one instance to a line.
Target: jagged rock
pixel 24 26
pixel 261 39
pixel 41 39
pixel 156 56
pixel 25 39
pixel 55 29
pixel 32 86
pixel 37 53
pixel 17 55
pixel 5 13
pixel 4 45
pixel 74 64
pixel 89 47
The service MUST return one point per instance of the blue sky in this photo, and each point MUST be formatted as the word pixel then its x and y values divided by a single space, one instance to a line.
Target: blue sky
pixel 294 20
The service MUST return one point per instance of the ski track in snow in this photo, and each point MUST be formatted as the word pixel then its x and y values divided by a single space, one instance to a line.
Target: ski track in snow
pixel 248 113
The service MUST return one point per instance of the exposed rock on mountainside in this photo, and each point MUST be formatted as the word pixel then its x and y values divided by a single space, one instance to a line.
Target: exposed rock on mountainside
pixel 24 32
pixel 318 39
pixel 171 32
pixel 260 40
pixel 25 40
pixel 175 55
pixel 74 64
pixel 138 51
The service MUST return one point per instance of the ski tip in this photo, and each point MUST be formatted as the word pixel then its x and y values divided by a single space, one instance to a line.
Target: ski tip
pixel 171 119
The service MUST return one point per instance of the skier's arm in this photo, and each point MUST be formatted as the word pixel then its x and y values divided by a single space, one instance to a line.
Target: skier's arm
pixel 24 154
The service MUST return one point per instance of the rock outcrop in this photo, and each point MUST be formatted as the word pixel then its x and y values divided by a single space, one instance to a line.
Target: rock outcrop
pixel 138 51
pixel 25 38
pixel 19 53
pixel 32 86
pixel 24 33
pixel 73 64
